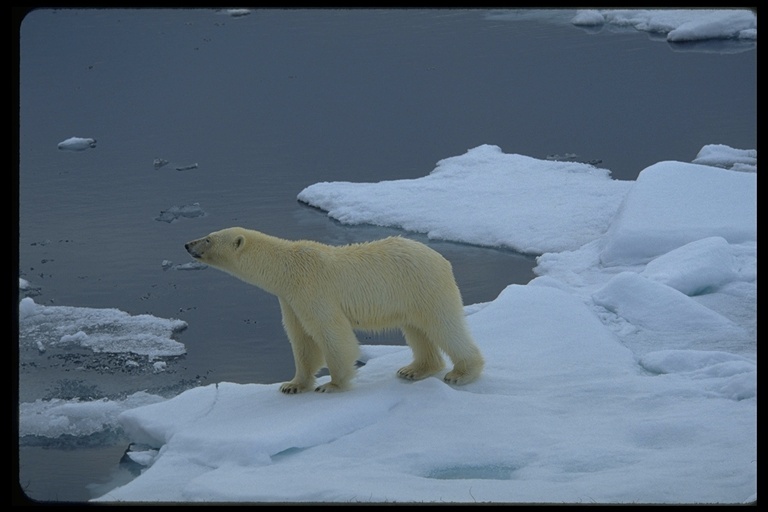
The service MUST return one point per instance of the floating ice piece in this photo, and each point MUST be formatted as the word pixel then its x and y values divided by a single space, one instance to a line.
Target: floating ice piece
pixel 567 156
pixel 588 18
pixel 159 162
pixel 572 157
pixel 720 155
pixel 76 417
pixel 237 13
pixel 28 289
pixel 139 454
pixel 192 265
pixel 101 330
pixel 444 204
pixel 174 212
pixel 677 24
pixel 77 144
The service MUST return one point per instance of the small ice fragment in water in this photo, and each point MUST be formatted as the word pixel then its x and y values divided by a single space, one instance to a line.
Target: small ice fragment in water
pixel 572 157
pixel 567 156
pixel 236 13
pixel 187 167
pixel 159 162
pixel 174 212
pixel 166 264
pixel 77 144
pixel 28 289
pixel 192 265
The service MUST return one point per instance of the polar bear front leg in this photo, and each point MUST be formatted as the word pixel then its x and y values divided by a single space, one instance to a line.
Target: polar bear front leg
pixel 333 334
pixel 307 356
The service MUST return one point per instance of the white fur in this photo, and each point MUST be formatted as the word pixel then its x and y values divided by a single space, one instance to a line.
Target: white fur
pixel 327 292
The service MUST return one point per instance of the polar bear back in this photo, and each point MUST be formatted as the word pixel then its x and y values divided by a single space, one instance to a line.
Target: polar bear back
pixel 391 282
pixel 382 284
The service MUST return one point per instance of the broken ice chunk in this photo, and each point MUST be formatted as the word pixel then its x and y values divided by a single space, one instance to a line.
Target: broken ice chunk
pixel 159 162
pixel 174 212
pixel 192 265
pixel 237 13
pixel 77 144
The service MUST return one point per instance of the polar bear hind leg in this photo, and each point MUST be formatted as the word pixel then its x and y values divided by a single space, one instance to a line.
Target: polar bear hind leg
pixel 427 359
pixel 454 339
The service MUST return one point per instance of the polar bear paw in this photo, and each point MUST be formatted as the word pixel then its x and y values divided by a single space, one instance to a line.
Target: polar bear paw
pixel 459 378
pixel 329 387
pixel 414 372
pixel 292 388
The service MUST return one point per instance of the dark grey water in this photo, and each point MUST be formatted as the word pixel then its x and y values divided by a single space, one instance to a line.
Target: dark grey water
pixel 270 103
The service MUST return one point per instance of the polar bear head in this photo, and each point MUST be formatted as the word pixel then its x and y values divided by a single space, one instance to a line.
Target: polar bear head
pixel 219 249
pixel 249 255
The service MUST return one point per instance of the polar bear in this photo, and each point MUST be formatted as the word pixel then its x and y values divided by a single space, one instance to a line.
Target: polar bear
pixel 326 292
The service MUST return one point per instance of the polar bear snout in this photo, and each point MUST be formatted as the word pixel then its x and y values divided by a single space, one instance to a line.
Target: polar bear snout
pixel 190 249
pixel 196 248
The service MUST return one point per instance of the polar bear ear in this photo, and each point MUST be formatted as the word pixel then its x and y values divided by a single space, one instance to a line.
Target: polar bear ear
pixel 239 241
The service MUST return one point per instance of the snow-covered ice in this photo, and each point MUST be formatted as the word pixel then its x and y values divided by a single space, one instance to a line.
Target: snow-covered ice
pixel 675 25
pixel 616 376
pixel 101 330
pixel 682 213
pixel 75 417
pixel 493 207
pixel 678 25
pixel 727 157
pixel 28 288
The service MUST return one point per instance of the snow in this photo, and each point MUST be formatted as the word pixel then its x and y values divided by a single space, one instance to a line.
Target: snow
pixel 628 382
